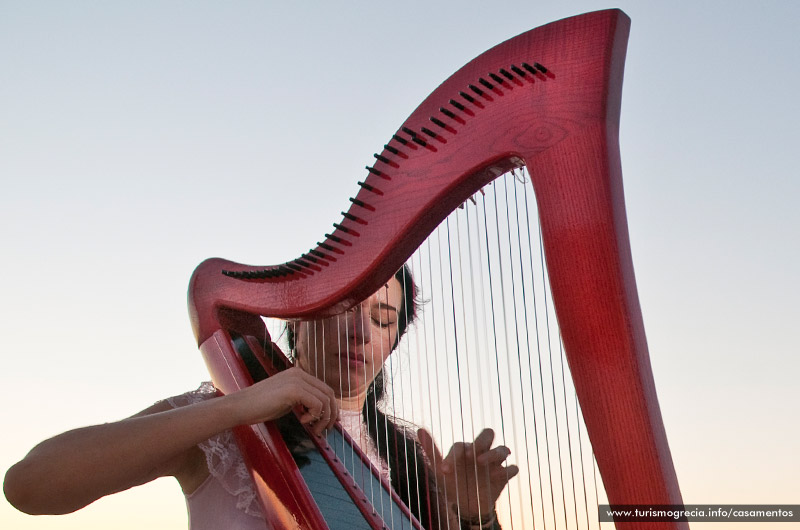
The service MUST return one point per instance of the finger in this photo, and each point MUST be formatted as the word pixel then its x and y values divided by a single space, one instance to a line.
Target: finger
pixel 430 448
pixel 460 454
pixel 310 408
pixel 326 418
pixel 484 441
pixel 318 384
pixel 502 475
pixel 313 400
pixel 316 407
pixel 495 456
pixel 325 393
pixel 334 413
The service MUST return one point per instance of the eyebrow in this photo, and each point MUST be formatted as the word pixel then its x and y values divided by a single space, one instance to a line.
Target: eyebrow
pixel 382 305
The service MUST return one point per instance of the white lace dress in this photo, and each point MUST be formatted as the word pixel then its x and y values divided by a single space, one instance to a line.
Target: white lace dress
pixel 227 498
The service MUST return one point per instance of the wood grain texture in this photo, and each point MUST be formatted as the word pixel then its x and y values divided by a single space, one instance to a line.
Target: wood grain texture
pixel 548 99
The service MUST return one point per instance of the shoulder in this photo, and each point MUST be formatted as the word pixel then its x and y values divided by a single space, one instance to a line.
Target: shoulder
pixel 202 393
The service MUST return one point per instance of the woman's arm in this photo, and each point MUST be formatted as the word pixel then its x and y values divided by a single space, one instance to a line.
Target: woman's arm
pixel 73 469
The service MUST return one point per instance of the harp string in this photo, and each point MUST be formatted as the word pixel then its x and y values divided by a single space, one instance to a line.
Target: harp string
pixel 498 364
pixel 460 358
pixel 471 357
pixel 407 314
pixel 449 496
pixel 512 313
pixel 518 331
pixel 383 355
pixel 428 356
pixel 496 322
pixel 528 223
pixel 526 334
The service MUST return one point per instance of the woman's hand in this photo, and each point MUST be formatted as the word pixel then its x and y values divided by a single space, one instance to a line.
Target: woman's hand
pixel 472 474
pixel 275 396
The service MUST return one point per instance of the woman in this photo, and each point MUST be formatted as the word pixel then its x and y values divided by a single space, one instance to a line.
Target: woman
pixel 338 371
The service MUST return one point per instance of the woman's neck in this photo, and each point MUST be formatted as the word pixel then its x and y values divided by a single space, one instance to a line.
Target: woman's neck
pixel 354 402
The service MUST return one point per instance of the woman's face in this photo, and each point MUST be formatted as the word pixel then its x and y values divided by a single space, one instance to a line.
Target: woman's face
pixel 347 351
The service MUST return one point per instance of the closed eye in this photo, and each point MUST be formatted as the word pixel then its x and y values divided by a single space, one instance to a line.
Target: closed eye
pixel 383 315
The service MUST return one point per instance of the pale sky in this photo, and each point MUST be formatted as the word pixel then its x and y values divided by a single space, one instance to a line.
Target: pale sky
pixel 139 138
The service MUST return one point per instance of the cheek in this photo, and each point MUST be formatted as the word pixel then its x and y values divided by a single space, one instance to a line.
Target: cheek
pixel 386 343
pixel 311 339
pixel 331 338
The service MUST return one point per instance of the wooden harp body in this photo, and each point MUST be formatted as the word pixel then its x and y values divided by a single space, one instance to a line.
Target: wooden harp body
pixel 548 99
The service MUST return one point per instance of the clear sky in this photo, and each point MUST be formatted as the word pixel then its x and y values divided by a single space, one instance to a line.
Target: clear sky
pixel 138 138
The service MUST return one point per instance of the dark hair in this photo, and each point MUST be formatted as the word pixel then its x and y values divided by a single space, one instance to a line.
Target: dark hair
pixel 406 313
pixel 396 441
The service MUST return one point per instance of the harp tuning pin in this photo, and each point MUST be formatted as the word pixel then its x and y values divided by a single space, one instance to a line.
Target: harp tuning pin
pixel 374 171
pixel 476 90
pixel 486 83
pixel 448 113
pixel 429 132
pixel 457 105
pixel 467 96
pixel 438 122
pixel 400 139
pixel 506 73
pixel 530 68
pixel 519 71
pixel 317 253
pixel 391 149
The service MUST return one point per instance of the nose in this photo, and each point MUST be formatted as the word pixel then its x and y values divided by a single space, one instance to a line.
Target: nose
pixel 359 328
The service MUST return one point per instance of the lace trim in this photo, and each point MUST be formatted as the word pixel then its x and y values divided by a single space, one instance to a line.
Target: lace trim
pixel 224 460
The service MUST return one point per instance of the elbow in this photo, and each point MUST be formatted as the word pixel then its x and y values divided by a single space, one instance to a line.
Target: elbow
pixel 21 491
pixel 16 491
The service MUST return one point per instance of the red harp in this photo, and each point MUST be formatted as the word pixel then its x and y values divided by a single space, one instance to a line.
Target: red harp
pixel 547 100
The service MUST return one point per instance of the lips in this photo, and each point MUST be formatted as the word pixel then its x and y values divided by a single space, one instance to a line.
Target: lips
pixel 353 358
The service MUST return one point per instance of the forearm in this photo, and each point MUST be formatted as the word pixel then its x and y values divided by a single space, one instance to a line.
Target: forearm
pixel 69 471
